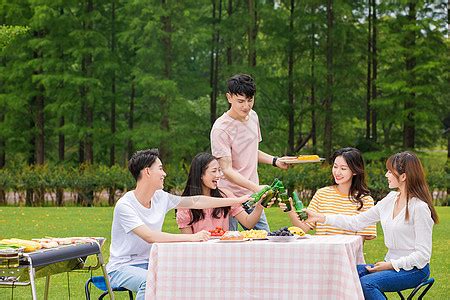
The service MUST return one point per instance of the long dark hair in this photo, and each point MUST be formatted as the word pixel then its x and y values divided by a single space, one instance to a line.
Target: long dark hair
pixel 416 186
pixel 194 187
pixel 355 162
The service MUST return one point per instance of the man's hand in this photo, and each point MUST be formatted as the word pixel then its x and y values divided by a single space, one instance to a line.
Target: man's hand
pixel 271 202
pixel 314 217
pixel 380 266
pixel 260 187
pixel 283 206
pixel 282 165
pixel 244 198
pixel 201 236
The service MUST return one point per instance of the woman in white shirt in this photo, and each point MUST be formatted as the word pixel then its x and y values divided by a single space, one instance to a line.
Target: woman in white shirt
pixel 407 217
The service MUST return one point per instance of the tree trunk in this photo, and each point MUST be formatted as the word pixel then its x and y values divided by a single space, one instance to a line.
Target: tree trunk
pixel 112 150
pixel 2 158
pixel 328 134
pixel 61 146
pixel 373 111
pixel 82 123
pixel 39 196
pixel 38 110
pixel 409 127
pixel 230 41
pixel 86 197
pixel 291 95
pixel 369 72
pixel 313 89
pixel 252 32
pixel 166 40
pixel 215 60
pixel 29 201
pixel 130 148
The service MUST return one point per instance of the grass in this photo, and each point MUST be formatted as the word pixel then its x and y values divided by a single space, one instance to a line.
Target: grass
pixel 37 222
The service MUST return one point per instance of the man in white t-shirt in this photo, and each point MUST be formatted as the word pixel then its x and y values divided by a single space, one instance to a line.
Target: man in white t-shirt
pixel 138 219
pixel 235 138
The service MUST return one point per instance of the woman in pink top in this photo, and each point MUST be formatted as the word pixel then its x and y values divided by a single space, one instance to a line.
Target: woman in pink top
pixel 202 180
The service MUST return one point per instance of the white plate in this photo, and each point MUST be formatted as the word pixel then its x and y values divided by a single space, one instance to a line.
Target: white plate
pixel 294 160
pixel 232 241
pixel 306 236
pixel 282 239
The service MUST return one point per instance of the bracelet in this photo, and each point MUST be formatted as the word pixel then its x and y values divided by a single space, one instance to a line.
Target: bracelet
pixel 274 161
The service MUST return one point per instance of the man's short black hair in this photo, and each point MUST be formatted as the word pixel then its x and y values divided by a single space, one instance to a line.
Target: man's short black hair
pixel 242 84
pixel 140 160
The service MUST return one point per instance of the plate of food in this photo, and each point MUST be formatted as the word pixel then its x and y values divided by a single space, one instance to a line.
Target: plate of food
pixel 301 159
pixel 281 239
pixel 281 235
pixel 232 237
pixel 305 236
pixel 231 241
pixel 253 234
pixel 216 233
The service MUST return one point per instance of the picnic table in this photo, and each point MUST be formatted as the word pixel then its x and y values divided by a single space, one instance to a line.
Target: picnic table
pixel 320 267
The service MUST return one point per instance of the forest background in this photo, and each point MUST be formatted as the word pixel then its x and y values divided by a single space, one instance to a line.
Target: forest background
pixel 84 84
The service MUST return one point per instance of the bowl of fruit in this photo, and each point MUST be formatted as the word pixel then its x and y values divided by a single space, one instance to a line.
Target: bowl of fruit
pixel 281 235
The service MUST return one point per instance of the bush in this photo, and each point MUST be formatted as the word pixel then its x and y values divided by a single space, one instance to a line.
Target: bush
pixel 92 180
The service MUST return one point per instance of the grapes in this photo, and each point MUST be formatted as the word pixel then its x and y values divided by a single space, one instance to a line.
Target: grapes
pixel 280 232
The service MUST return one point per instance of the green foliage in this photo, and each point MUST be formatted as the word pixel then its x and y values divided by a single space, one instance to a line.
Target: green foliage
pixel 120 76
pixel 304 178
pixel 8 33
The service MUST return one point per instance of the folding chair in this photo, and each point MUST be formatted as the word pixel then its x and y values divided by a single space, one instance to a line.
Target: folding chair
pixel 99 282
pixel 427 284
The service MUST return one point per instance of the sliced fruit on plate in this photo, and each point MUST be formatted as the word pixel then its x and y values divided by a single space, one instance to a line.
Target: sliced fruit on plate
pixel 296 230
pixel 218 231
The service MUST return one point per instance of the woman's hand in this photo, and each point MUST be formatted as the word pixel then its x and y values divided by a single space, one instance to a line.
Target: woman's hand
pixel 380 266
pixel 314 217
pixel 201 236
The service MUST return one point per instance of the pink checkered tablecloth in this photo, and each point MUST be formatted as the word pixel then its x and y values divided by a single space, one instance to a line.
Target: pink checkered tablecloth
pixel 316 268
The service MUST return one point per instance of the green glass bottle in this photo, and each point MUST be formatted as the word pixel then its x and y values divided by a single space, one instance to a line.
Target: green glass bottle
pixel 298 205
pixel 284 198
pixel 272 191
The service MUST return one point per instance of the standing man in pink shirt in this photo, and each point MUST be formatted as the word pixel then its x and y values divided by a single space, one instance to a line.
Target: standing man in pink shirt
pixel 235 138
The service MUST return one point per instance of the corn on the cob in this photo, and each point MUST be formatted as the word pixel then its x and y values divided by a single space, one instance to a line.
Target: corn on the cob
pixel 29 246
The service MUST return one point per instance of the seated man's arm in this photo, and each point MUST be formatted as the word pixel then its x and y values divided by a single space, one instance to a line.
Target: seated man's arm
pixel 201 202
pixel 152 236
pixel 233 176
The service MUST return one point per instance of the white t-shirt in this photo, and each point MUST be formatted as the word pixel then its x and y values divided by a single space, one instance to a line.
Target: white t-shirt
pixel 408 242
pixel 126 247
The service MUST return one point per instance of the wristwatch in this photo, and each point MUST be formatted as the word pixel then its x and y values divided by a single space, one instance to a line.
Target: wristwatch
pixel 274 161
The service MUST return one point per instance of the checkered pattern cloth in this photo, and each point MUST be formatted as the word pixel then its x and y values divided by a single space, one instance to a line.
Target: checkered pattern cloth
pixel 316 268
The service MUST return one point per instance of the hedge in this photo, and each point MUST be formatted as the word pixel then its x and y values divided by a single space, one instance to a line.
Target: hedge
pixel 96 179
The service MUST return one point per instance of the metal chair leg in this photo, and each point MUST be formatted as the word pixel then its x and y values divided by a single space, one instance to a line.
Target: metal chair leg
pixel 429 283
pixel 86 289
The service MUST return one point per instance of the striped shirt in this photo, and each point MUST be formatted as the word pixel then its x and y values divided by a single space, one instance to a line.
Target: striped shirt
pixel 329 201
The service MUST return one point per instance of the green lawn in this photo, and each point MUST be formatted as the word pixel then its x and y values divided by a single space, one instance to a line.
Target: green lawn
pixel 76 221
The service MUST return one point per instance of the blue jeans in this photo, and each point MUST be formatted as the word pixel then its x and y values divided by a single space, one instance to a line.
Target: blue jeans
pixel 375 284
pixel 261 225
pixel 132 277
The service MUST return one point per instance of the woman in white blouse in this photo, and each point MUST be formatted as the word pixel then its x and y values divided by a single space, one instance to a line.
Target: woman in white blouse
pixel 407 217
